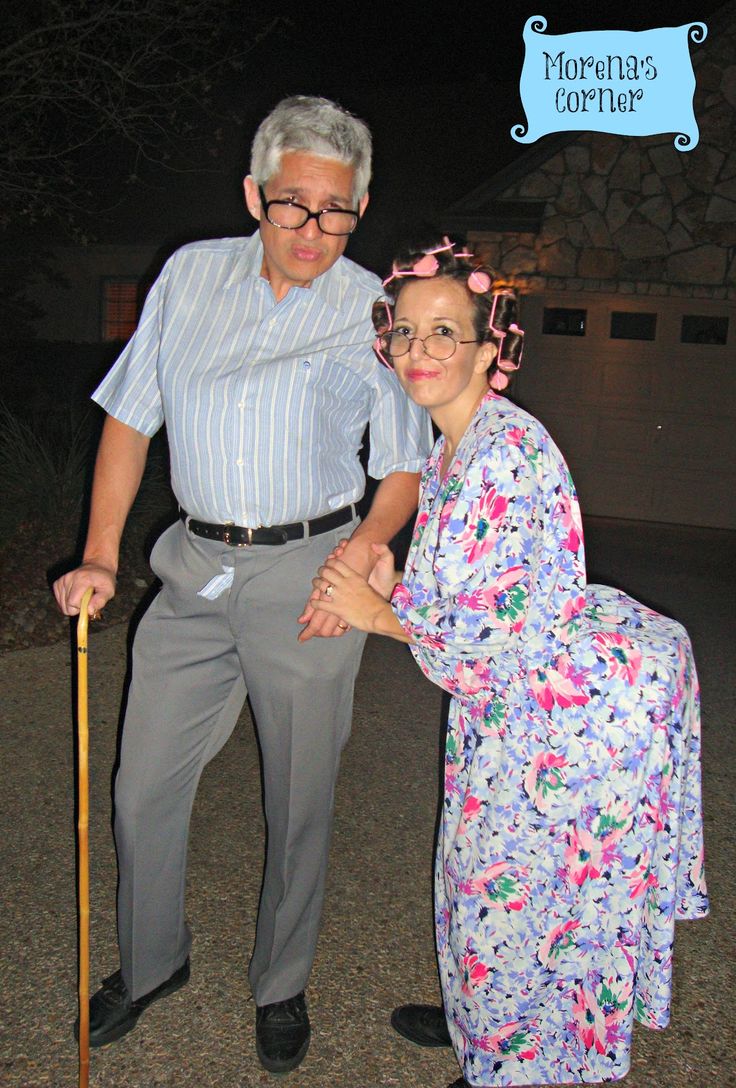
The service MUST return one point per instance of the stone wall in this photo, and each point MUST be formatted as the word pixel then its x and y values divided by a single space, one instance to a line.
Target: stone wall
pixel 634 215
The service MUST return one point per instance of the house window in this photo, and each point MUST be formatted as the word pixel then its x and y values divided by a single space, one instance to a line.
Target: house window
pixel 632 325
pixel 699 329
pixel 558 321
pixel 120 308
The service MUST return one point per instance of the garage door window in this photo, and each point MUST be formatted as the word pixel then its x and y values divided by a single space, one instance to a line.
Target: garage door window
pixel 701 329
pixel 558 321
pixel 632 325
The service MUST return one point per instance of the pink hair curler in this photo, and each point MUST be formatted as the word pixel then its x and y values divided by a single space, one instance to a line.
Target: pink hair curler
pixel 478 282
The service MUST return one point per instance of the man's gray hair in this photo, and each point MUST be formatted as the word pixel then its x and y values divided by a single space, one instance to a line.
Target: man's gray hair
pixel 316 125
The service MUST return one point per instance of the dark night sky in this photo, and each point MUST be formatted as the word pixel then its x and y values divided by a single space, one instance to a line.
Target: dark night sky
pixel 440 92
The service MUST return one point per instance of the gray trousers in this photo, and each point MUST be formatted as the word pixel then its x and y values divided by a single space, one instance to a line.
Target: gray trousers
pixel 193 661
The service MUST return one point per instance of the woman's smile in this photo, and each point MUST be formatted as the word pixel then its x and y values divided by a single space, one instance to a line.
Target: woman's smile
pixel 420 374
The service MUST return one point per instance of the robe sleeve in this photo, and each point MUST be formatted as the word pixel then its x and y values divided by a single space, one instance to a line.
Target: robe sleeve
pixel 466 601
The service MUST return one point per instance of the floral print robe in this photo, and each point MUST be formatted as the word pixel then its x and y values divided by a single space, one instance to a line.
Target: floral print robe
pixel 571 837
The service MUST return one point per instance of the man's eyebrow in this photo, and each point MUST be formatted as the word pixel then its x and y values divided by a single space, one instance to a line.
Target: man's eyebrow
pixel 332 198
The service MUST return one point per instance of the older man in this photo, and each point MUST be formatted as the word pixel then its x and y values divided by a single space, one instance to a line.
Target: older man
pixel 255 352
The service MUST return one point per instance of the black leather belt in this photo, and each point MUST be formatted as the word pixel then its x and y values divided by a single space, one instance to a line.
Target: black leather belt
pixel 239 537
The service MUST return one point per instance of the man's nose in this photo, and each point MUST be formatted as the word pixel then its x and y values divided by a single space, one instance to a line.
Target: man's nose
pixel 311 229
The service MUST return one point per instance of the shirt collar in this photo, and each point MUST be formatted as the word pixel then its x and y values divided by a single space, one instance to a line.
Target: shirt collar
pixel 246 261
pixel 329 286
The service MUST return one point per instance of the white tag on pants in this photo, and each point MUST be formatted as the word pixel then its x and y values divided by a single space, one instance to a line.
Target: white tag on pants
pixel 217 585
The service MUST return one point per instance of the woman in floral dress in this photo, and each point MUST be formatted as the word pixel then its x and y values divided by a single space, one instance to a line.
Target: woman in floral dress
pixel 571 836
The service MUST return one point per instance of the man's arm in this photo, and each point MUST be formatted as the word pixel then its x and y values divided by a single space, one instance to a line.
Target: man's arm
pixel 393 504
pixel 121 458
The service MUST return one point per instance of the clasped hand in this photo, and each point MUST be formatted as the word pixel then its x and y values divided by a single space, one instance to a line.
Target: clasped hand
pixel 344 592
pixel 377 573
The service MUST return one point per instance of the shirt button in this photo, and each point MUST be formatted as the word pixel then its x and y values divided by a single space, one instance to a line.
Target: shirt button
pixel 239 461
pixel 241 404
pixel 306 364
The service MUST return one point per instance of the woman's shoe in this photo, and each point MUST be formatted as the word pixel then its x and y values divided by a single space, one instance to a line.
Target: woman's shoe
pixel 424 1025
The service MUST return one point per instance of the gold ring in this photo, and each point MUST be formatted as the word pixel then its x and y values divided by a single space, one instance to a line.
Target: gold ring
pixel 343 626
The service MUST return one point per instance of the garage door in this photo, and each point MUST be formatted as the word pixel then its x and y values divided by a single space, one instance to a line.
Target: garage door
pixel 640 395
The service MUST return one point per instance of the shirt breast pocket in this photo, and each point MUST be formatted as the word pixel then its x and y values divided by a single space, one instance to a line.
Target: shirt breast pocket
pixel 334 385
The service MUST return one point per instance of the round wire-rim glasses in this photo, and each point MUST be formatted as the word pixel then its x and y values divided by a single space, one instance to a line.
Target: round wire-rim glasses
pixel 287 215
pixel 439 346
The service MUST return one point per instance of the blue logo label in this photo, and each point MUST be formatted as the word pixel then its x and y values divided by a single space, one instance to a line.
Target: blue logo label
pixel 631 82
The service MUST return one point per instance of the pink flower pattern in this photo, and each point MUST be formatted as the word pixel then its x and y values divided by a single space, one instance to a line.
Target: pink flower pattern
pixel 545 779
pixel 621 656
pixel 571 835
pixel 558 941
pixel 474 972
pixel 513 1040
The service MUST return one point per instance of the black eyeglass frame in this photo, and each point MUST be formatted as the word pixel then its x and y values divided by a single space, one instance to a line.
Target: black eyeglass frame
pixel 387 337
pixel 266 204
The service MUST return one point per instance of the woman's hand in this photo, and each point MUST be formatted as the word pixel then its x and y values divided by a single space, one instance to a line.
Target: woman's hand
pixel 353 599
pixel 345 593
pixel 341 591
pixel 332 630
pixel 384 576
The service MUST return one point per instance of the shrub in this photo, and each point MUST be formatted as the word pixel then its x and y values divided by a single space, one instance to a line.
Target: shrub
pixel 46 471
pixel 44 467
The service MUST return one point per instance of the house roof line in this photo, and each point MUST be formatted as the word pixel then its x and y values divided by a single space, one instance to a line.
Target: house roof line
pixel 545 148
pixel 527 161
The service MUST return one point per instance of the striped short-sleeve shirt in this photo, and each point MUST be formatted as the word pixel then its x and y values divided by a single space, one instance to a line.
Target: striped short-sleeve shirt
pixel 265 402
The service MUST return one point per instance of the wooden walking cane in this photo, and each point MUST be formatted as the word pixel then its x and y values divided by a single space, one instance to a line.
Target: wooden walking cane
pixel 83 837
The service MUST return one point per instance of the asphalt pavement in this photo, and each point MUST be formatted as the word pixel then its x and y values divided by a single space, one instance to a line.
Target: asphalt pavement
pixel 376 946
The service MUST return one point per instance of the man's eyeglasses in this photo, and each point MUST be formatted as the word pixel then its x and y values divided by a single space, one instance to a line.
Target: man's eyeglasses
pixel 438 345
pixel 287 215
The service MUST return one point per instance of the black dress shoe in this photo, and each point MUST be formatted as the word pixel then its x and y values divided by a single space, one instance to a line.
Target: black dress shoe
pixel 424 1025
pixel 111 1012
pixel 459 1083
pixel 282 1034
